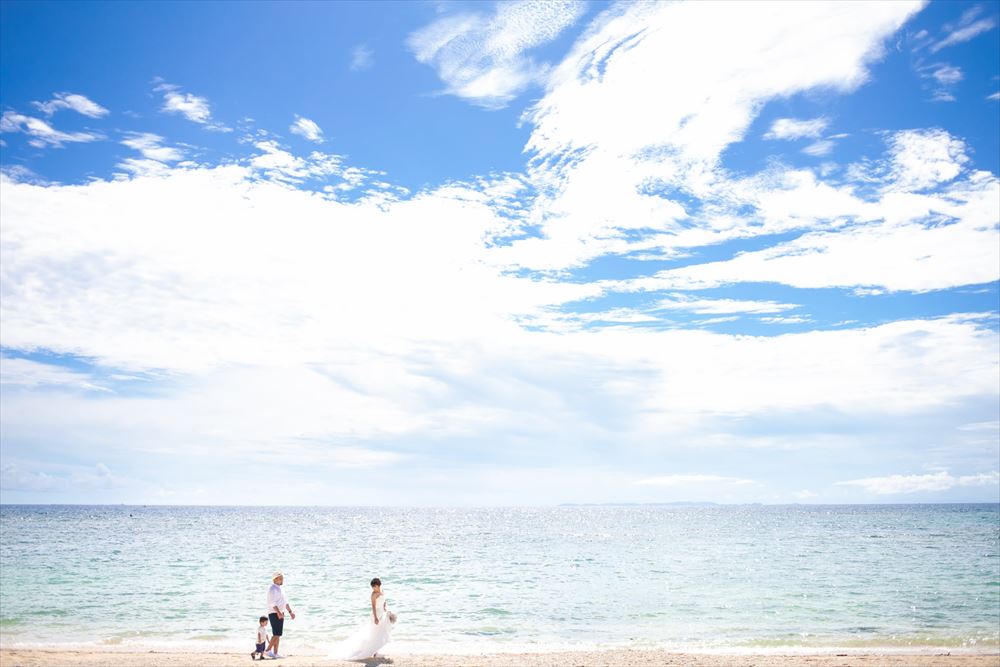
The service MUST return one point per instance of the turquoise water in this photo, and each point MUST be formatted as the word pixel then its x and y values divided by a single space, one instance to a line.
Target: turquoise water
pixel 690 578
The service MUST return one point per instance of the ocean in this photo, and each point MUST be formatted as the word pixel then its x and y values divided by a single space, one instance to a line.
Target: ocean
pixel 688 578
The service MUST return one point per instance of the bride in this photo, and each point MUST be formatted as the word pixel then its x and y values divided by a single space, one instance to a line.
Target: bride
pixel 373 634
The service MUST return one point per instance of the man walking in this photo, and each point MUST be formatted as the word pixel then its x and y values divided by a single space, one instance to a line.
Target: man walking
pixel 276 607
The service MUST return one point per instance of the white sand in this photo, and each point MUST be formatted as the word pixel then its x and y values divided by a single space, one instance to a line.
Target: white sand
pixel 622 658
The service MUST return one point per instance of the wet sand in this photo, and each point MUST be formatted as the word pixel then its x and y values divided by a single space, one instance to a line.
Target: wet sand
pixel 621 658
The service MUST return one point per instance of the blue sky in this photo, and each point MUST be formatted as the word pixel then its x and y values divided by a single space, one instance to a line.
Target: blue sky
pixel 519 253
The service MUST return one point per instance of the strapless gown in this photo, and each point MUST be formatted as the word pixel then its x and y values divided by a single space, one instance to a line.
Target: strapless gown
pixel 368 638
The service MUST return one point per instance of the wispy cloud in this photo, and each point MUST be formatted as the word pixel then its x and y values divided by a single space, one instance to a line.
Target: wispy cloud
pixel 940 481
pixel 914 251
pixel 943 80
pixel 155 155
pixel 602 133
pixel 965 29
pixel 682 480
pixel 18 173
pixel 946 74
pixel 791 128
pixel 796 319
pixel 720 306
pixel 981 426
pixel 307 128
pixel 819 148
pixel 27 373
pixel 483 58
pixel 362 58
pixel 280 165
pixel 193 107
pixel 151 146
pixel 41 133
pixel 15 478
pixel 73 101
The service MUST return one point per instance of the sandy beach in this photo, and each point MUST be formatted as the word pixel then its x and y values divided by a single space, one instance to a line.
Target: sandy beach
pixel 624 658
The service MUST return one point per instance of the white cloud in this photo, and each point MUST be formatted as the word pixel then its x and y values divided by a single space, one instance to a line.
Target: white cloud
pixel 15 478
pixel 151 146
pixel 306 128
pixel 790 128
pixel 18 173
pixel 785 320
pixel 946 75
pixel 143 167
pixel 720 306
pixel 819 148
pixel 681 480
pixel 621 131
pixel 43 134
pixel 981 426
pixel 28 373
pixel 362 58
pixel 717 320
pixel 396 328
pixel 903 240
pixel 77 103
pixel 374 341
pixel 279 165
pixel 207 268
pixel 482 58
pixel 675 302
pixel 193 107
pixel 925 158
pixel 909 257
pixel 994 96
pixel 963 33
pixel 614 89
pixel 368 244
pixel 359 457
pixel 190 106
pixel 940 481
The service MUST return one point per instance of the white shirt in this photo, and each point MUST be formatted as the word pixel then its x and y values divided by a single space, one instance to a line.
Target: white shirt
pixel 276 598
pixel 262 634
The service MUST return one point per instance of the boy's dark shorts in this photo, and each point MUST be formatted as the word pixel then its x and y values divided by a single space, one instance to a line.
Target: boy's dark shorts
pixel 260 648
pixel 276 624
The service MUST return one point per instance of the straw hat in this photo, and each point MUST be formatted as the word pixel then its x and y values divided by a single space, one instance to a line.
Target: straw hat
pixel 277 573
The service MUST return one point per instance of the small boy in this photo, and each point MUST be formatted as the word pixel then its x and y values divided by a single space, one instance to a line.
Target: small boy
pixel 262 638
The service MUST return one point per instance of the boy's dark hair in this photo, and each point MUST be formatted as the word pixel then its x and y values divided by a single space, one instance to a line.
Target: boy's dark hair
pixel 262 618
pixel 376 582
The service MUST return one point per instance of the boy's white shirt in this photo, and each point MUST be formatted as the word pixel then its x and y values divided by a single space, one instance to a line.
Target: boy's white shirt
pixel 262 635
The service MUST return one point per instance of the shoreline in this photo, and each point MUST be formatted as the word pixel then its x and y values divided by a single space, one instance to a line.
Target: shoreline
pixel 90 657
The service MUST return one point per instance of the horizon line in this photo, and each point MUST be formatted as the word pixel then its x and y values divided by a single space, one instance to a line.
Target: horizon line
pixel 700 504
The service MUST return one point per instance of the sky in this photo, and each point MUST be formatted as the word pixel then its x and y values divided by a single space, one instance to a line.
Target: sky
pixel 474 254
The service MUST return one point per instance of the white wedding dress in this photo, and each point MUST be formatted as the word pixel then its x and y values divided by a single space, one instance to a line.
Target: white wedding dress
pixel 369 637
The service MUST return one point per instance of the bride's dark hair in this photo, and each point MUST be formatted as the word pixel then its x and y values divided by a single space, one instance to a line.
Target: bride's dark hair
pixel 376 582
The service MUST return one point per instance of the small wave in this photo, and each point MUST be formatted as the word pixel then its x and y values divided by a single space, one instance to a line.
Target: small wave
pixel 494 611
pixel 45 613
pixel 489 631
